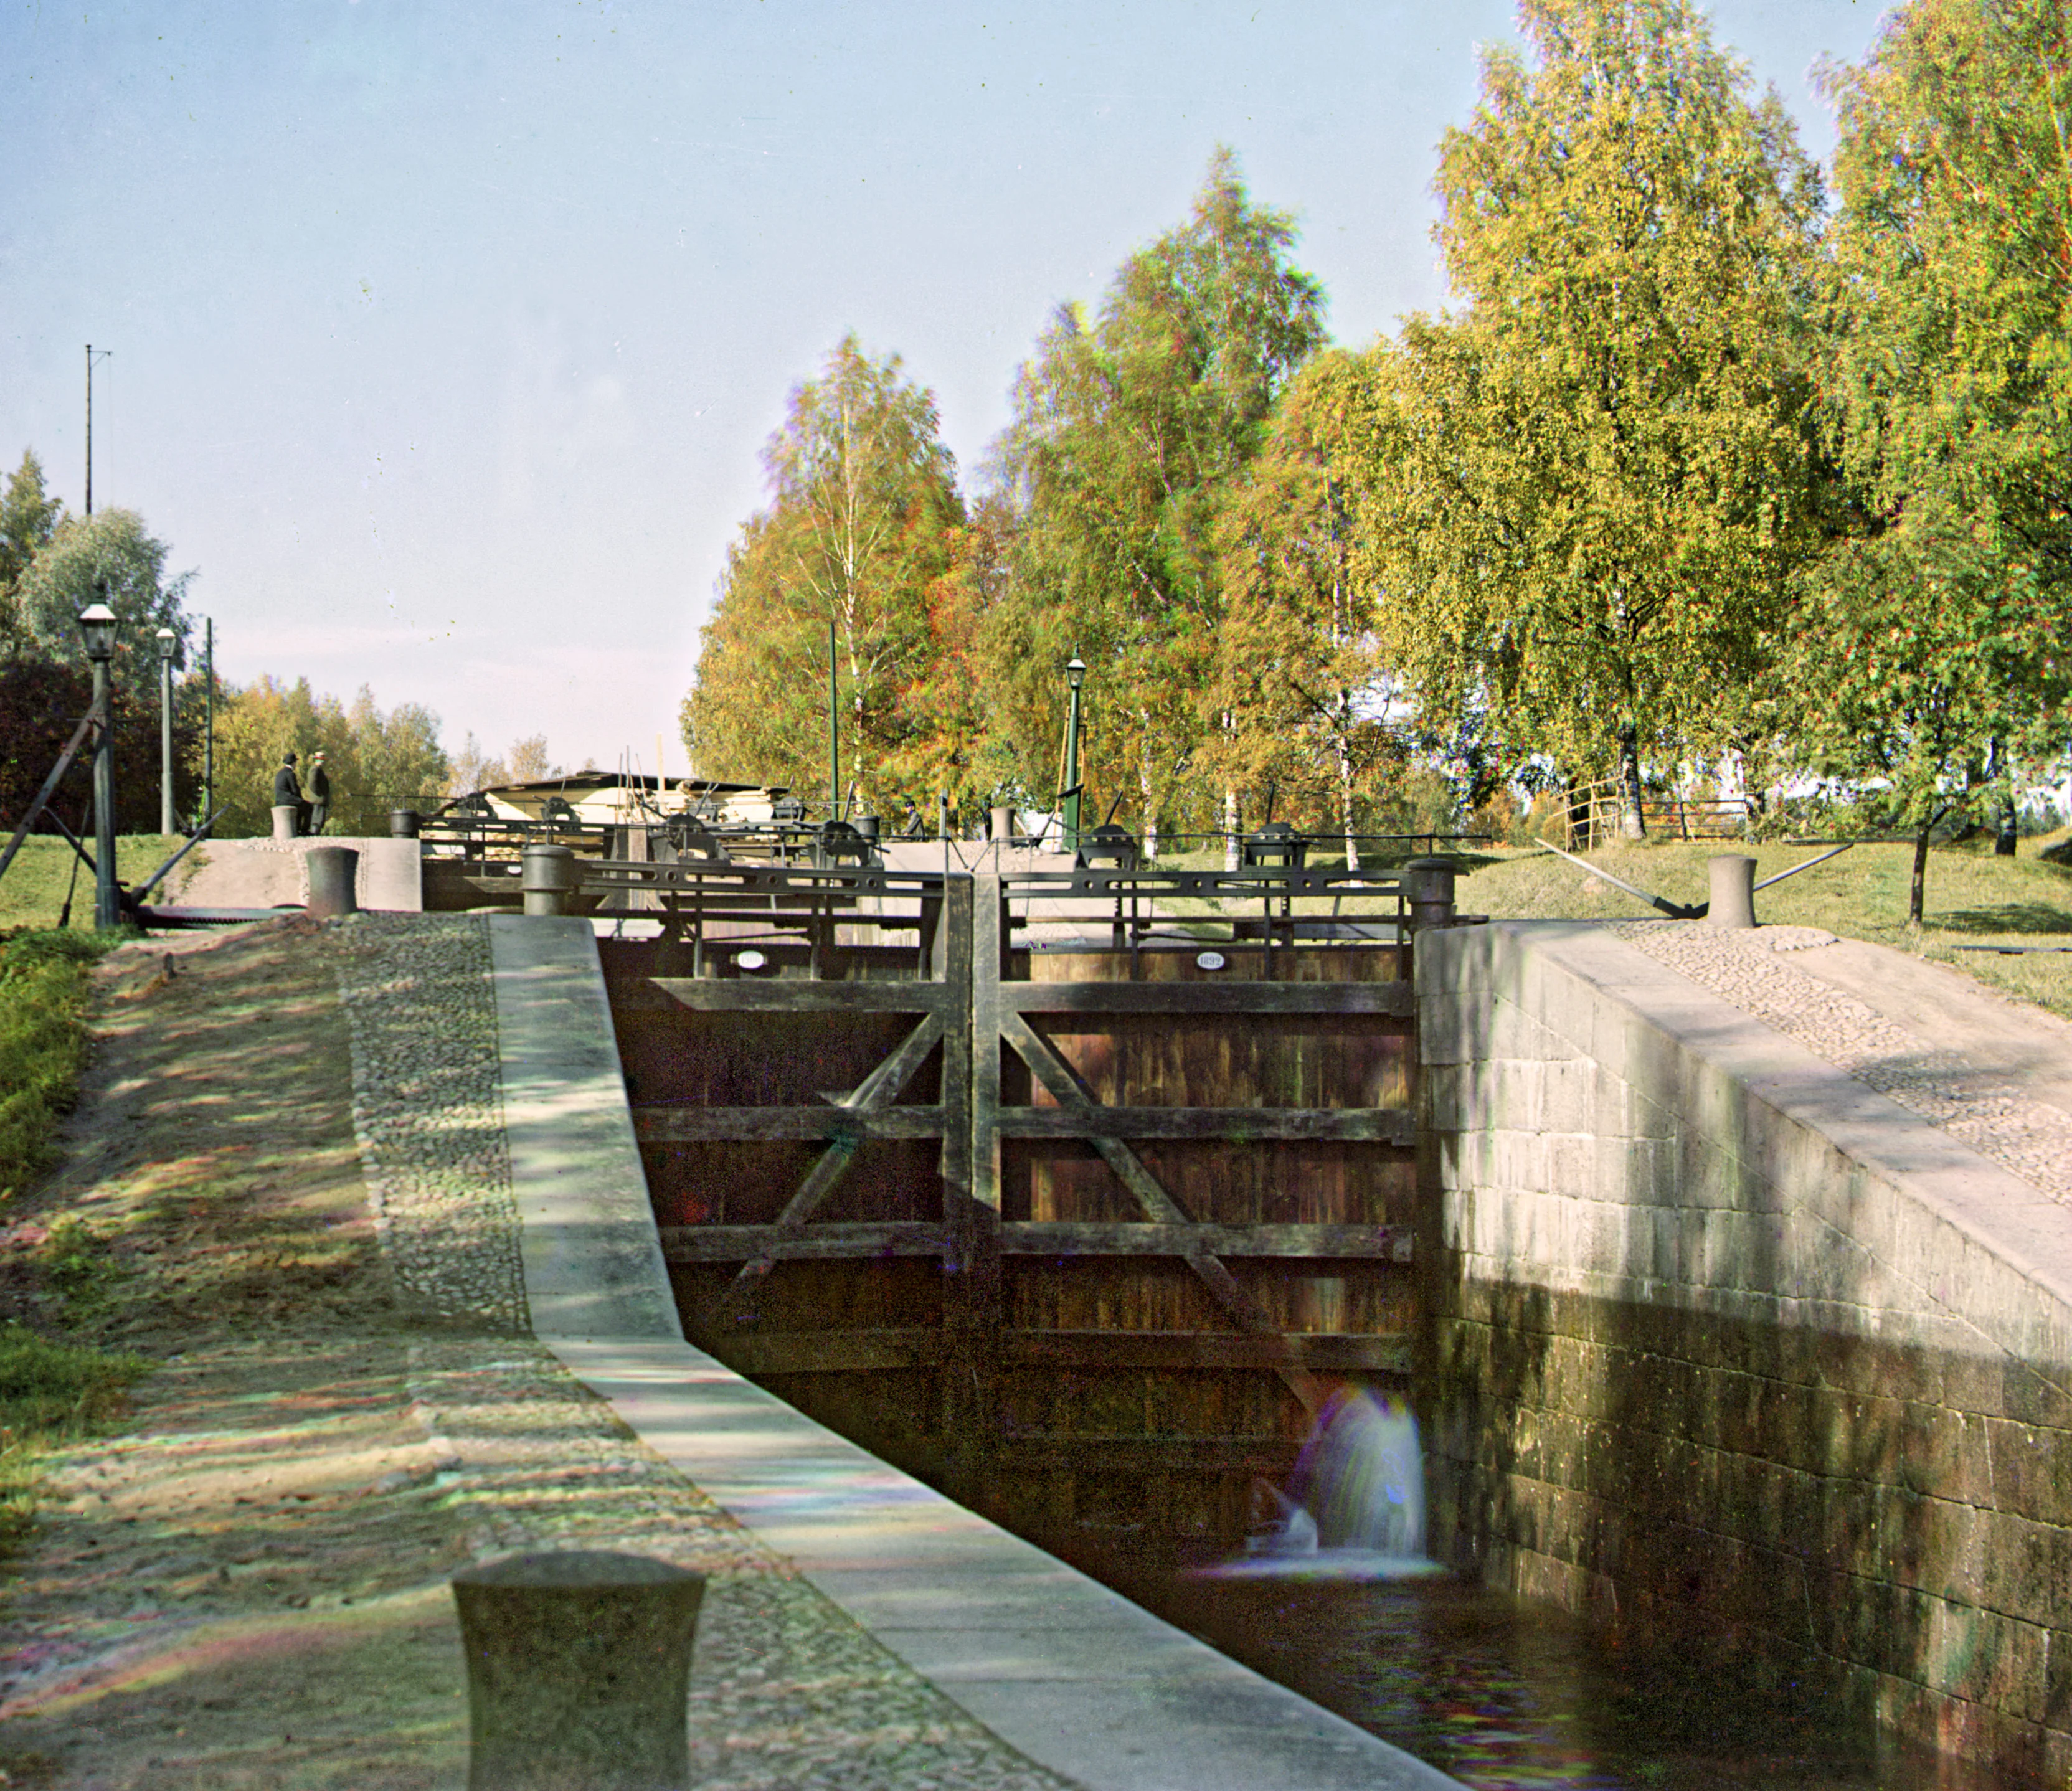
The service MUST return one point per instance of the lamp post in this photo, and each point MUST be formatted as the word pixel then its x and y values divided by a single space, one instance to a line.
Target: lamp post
pixel 1075 673
pixel 97 628
pixel 167 642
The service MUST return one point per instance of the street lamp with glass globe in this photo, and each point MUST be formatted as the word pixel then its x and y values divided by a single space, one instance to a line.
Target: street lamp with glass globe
pixel 1075 674
pixel 168 645
pixel 97 628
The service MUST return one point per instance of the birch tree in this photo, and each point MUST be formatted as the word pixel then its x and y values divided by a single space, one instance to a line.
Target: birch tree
pixel 1589 488
pixel 1129 429
pixel 862 520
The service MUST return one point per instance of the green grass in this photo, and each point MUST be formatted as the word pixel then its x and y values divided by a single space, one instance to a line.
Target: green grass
pixel 43 1042
pixel 1972 898
pixel 50 1394
pixel 33 891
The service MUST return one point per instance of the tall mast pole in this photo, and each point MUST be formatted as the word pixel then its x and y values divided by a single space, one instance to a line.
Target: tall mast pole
pixel 104 354
pixel 834 735
pixel 208 735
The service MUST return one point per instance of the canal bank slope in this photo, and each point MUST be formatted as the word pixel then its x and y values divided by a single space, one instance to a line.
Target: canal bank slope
pixel 1752 1308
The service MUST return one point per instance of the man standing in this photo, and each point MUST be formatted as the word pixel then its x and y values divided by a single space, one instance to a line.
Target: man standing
pixel 319 795
pixel 288 791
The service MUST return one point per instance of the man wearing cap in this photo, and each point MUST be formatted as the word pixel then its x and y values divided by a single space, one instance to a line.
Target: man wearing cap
pixel 319 795
pixel 288 789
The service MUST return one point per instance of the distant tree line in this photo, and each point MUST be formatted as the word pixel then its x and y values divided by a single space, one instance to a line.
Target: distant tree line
pixel 53 566
pixel 1712 475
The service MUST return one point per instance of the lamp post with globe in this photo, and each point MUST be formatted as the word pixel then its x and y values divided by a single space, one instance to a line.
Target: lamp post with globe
pixel 96 627
pixel 1075 674
pixel 168 643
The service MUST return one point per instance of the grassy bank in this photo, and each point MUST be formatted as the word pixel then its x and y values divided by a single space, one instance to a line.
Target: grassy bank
pixel 33 892
pixel 51 1392
pixel 1973 899
pixel 42 1043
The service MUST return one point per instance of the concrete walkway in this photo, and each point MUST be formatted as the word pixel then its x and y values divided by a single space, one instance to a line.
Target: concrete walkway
pixel 1078 1679
pixel 265 873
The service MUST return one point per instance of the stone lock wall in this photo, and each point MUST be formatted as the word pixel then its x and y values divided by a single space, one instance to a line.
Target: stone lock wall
pixel 1722 1342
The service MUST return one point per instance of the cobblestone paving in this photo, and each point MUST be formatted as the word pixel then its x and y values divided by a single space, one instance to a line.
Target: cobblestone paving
pixel 787 1691
pixel 427 1106
pixel 1984 1110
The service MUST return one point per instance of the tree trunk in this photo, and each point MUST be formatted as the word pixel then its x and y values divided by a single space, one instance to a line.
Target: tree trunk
pixel 1345 807
pixel 1231 842
pixel 2004 841
pixel 1919 884
pixel 1633 823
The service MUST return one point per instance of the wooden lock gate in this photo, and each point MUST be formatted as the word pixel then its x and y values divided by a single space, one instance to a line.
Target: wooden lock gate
pixel 1083 1231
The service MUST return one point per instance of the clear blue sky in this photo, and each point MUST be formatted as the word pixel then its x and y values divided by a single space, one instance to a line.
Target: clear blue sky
pixel 446 337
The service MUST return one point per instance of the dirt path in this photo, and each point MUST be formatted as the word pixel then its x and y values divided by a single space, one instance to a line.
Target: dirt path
pixel 246 1587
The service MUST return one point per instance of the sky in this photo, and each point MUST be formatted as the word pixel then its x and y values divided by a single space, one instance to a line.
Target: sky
pixel 445 338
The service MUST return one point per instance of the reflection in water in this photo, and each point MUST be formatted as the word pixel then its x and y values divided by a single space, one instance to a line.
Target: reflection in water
pixel 1332 1597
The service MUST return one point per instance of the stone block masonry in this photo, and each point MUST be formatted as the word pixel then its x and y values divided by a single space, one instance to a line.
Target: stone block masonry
pixel 1725 1341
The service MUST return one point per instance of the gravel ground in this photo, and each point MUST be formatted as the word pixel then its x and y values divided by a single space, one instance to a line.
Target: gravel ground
pixel 1753 971
pixel 787 1690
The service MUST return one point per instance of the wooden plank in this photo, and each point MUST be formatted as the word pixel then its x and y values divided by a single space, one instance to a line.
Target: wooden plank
pixel 1372 1243
pixel 1317 1352
pixel 1366 1125
pixel 690 1125
pixel 1244 1311
pixel 785 995
pixel 828 1352
pixel 744 1243
pixel 876 1091
pixel 1398 998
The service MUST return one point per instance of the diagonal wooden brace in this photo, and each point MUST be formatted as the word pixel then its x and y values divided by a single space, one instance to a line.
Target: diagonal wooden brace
pixel 881 1088
pixel 1056 1076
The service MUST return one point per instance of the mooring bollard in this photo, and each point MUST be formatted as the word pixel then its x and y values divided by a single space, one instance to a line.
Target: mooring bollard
pixel 548 877
pixel 285 817
pixel 579 1671
pixel 403 824
pixel 1428 886
pixel 1733 902
pixel 333 881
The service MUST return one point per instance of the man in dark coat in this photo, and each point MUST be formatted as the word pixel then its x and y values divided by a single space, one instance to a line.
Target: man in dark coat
pixel 288 792
pixel 319 795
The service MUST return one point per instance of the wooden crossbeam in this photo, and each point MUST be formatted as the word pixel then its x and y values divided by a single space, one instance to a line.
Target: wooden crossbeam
pixel 779 994
pixel 847 1352
pixel 1325 1352
pixel 691 1125
pixel 1378 1125
pixel 1398 999
pixel 823 1242
pixel 1386 1243
pixel 684 1125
